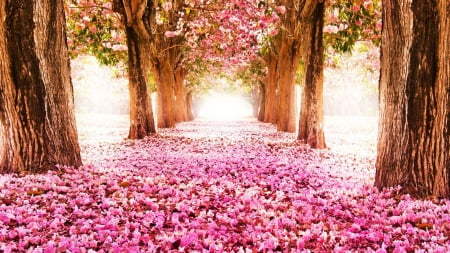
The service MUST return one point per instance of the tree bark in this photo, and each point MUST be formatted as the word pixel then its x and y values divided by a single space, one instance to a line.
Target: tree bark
pixel 189 109
pixel 142 122
pixel 311 112
pixel 414 139
pixel 165 81
pixel 37 120
pixel 262 100
pixel 271 105
pixel 300 14
pixel 180 95
pixel 164 52
pixel 288 60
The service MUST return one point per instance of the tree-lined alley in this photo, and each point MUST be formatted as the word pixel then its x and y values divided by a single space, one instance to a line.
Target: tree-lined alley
pixel 245 186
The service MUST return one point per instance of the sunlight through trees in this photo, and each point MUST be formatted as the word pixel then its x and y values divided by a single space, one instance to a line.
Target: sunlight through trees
pixel 254 172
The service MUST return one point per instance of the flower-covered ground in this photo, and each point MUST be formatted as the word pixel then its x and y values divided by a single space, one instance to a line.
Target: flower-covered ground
pixel 218 187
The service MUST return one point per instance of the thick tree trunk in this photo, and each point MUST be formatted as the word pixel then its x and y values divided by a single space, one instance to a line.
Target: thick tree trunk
pixel 414 138
pixel 271 105
pixel 180 95
pixel 288 61
pixel 142 122
pixel 37 121
pixel 311 112
pixel 262 101
pixel 165 81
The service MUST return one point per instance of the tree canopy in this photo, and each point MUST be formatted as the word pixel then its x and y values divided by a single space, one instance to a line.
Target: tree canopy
pixel 224 34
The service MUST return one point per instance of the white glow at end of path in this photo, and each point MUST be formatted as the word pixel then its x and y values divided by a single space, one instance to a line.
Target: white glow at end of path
pixel 225 107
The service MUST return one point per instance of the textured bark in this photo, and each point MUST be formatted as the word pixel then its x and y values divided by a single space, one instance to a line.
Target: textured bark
pixel 311 112
pixel 298 17
pixel 271 105
pixel 165 81
pixel 262 101
pixel 142 122
pixel 189 107
pixel 181 113
pixel 288 60
pixel 37 121
pixel 164 52
pixel 413 141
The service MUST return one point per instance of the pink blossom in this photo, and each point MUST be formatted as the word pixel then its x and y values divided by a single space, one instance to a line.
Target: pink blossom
pixel 170 34
pixel 359 22
pixel 167 5
pixel 118 47
pixel 368 4
pixel 330 29
pixel 50 248
pixel 273 31
pixel 379 24
pixel 188 239
pixel 281 9
pixel 268 245
pixel 275 18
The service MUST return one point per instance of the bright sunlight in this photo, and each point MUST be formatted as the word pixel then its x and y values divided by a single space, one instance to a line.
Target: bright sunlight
pixel 225 107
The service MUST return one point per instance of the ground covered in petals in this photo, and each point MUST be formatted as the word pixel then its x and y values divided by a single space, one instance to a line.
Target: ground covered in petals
pixel 218 187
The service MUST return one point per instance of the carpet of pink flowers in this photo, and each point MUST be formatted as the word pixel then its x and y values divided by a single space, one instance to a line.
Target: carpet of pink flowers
pixel 216 187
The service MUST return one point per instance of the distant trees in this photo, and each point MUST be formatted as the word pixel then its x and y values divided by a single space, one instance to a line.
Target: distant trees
pixel 305 28
pixel 300 39
pixel 414 128
pixel 37 121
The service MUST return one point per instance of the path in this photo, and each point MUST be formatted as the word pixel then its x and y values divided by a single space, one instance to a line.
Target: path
pixel 217 187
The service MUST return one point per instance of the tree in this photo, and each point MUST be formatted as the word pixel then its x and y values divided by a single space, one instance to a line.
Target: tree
pixel 37 120
pixel 251 78
pixel 182 105
pixel 414 136
pixel 299 39
pixel 158 25
pixel 300 35
pixel 271 89
pixel 141 112
pixel 288 40
pixel 94 28
pixel 175 31
pixel 311 113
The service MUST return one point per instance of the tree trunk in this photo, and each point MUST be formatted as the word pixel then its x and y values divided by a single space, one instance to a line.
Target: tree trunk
pixel 180 95
pixel 142 122
pixel 414 138
pixel 255 98
pixel 37 120
pixel 165 80
pixel 311 111
pixel 262 101
pixel 288 62
pixel 189 109
pixel 271 106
